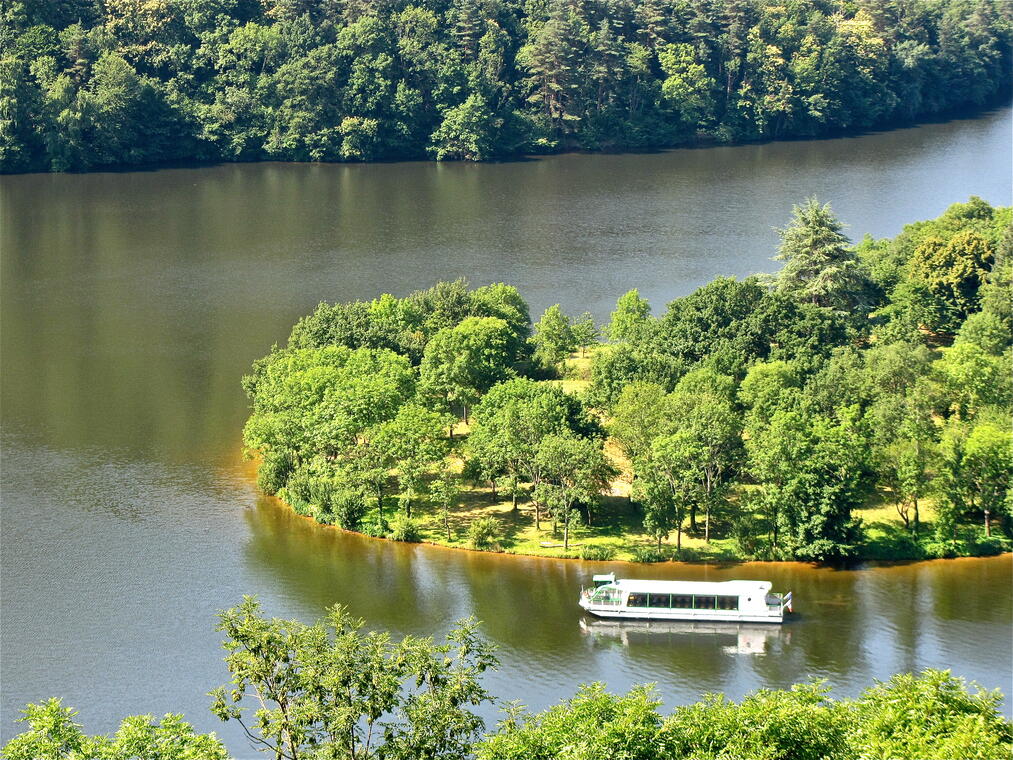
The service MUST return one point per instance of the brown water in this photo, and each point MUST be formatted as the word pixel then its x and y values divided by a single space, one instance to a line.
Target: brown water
pixel 132 303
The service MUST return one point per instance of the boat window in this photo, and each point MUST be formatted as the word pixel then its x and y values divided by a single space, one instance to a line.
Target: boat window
pixel 659 600
pixel 682 602
pixel 604 593
pixel 728 602
pixel 704 602
pixel 636 600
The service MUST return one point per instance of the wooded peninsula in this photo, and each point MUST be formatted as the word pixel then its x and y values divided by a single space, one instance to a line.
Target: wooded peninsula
pixel 87 84
pixel 854 405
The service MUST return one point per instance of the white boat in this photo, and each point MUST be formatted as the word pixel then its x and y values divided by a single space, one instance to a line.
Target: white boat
pixel 729 601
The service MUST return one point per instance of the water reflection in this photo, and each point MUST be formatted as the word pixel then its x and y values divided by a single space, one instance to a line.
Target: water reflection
pixel 735 638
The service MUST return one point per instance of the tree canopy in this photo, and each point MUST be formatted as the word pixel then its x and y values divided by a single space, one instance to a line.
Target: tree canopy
pixel 87 84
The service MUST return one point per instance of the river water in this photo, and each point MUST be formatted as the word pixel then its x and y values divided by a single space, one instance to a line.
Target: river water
pixel 133 302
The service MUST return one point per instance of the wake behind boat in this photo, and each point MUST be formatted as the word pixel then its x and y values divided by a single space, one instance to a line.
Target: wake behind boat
pixel 731 601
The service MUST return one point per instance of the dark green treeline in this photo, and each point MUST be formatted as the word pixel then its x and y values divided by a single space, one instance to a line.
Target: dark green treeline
pixel 85 83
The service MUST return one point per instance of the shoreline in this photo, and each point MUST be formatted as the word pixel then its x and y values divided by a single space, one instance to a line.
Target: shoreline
pixel 699 142
pixel 854 563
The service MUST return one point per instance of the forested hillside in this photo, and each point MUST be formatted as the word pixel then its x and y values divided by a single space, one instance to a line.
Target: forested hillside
pixel 86 84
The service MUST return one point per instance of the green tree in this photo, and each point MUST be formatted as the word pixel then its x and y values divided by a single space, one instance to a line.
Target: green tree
pixel 933 714
pixel 461 363
pixel 415 442
pixel 332 687
pixel 585 332
pixel 467 133
pixel 815 470
pixel 575 470
pixel 668 483
pixel 553 338
pixel 631 314
pixel 444 493
pixel 820 266
pixel 52 735
pixel 952 273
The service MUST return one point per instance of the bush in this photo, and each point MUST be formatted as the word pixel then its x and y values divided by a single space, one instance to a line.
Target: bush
pixel 990 546
pixel 650 554
pixel 404 528
pixel 597 552
pixel 348 510
pixel 375 528
pixel 485 533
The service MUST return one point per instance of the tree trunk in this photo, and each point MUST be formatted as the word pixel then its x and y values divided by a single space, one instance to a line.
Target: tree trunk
pixel 566 535
pixel 538 524
pixel 446 522
pixel 513 498
pixel 692 518
pixel 707 523
pixel 988 524
pixel 916 517
pixel 678 536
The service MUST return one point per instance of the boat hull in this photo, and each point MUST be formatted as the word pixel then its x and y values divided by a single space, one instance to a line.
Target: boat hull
pixel 707 616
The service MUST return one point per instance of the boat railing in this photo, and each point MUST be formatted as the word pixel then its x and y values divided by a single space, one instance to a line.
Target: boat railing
pixel 779 602
pixel 614 601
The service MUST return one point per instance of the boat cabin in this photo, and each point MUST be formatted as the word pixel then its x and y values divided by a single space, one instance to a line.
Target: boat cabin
pixel 738 601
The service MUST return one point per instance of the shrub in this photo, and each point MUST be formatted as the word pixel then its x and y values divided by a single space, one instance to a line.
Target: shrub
pixel 404 528
pixel 375 528
pixel 650 554
pixel 597 552
pixel 990 546
pixel 348 510
pixel 485 533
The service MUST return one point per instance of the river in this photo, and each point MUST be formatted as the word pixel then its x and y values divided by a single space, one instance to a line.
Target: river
pixel 132 302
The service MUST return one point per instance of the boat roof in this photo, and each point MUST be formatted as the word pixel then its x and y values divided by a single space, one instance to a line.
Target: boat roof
pixel 736 588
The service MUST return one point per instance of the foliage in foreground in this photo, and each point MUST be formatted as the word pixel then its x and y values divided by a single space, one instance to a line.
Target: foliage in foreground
pixel 85 84
pixel 334 691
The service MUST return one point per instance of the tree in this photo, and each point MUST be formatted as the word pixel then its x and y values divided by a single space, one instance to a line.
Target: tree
pixel 444 493
pixel 574 470
pixel 816 471
pixel 906 464
pixel 952 272
pixel 973 379
pixel 467 133
pixel 639 416
pixel 987 465
pixel 701 407
pixel 52 733
pixel 585 332
pixel 354 694
pixel 553 338
pixel 629 317
pixel 668 482
pixel 932 714
pixel 820 267
pixel 461 363
pixel 415 442
pixel 510 423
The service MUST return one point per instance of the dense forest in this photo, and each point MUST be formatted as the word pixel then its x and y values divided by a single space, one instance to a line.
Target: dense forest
pixel 85 83
pixel 333 690
pixel 767 416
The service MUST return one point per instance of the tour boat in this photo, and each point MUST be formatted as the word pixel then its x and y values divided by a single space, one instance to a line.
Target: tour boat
pixel 732 601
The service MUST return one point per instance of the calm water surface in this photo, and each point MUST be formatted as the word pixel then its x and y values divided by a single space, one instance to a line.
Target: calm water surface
pixel 133 302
